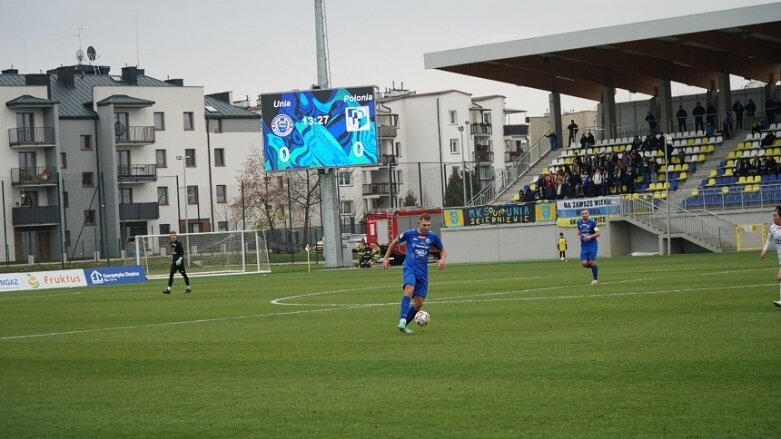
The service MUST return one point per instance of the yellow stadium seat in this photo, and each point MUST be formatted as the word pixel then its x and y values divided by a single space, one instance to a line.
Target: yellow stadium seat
pixel 682 176
pixel 731 155
pixel 678 168
pixel 695 192
pixel 711 182
pixel 544 171
pixel 685 167
pixel 730 163
pixel 742 179
pixel 725 190
pixel 700 158
pixel 728 172
pixel 712 173
pixel 756 179
pixel 652 187
pixel 661 178
pixel 533 187
pixel 516 197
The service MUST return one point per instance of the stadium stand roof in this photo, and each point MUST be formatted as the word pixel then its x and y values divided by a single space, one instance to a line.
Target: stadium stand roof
pixel 692 50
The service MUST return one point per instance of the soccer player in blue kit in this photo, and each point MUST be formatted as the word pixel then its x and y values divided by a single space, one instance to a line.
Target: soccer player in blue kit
pixel 588 232
pixel 415 271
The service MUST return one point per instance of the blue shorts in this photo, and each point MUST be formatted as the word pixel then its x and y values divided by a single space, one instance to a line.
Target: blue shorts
pixel 421 285
pixel 588 253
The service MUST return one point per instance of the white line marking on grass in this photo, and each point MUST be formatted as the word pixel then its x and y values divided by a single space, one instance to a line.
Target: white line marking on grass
pixel 33 296
pixel 158 325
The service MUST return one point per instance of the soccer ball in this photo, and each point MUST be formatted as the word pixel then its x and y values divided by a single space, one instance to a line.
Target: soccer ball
pixel 422 318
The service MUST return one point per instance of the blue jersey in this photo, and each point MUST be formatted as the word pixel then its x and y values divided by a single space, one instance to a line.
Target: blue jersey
pixel 418 248
pixel 587 228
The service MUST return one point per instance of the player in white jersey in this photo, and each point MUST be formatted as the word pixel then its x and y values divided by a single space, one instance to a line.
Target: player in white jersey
pixel 774 235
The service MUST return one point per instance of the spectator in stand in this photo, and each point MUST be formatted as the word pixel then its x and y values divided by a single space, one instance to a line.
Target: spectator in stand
pixel 597 182
pixel 681 115
pixel 711 115
pixel 651 119
pixel 726 127
pixel 583 141
pixel 585 184
pixel 653 168
pixel 770 111
pixel 763 165
pixel 772 166
pixel 573 131
pixel 751 109
pixel 629 179
pixel 737 107
pixel 769 139
pixel 553 141
pixel 709 130
pixel 590 141
pixel 698 112
pixel 636 143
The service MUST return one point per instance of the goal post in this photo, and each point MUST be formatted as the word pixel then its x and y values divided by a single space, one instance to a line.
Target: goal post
pixel 206 254
pixel 750 237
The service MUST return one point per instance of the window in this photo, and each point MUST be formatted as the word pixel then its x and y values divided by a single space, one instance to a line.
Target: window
pixel 65 199
pixel 89 217
pixel 189 157
pixel 454 146
pixel 487 118
pixel 192 194
pixel 219 157
pixel 165 229
pixel 346 207
pixel 121 126
pixel 86 142
pixel 24 127
pixel 398 149
pixel 63 160
pixel 222 226
pixel 160 158
pixel 162 195
pixel 188 121
pixel 217 125
pixel 221 194
pixel 125 195
pixel 28 163
pixel 159 121
pixel 87 179
pixel 345 178
pixel 453 114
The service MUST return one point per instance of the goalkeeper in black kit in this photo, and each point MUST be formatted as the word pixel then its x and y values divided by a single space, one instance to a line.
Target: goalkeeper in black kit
pixel 177 264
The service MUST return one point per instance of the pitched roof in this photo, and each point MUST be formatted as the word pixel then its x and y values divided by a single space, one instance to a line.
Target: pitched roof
pixel 126 101
pixel 224 110
pixel 27 101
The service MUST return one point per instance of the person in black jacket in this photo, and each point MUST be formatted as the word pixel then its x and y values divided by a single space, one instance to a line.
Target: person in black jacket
pixel 681 115
pixel 177 264
pixel 698 112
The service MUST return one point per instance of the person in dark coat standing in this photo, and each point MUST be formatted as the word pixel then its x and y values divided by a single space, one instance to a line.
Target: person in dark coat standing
pixel 698 112
pixel 177 264
pixel 737 107
pixel 681 115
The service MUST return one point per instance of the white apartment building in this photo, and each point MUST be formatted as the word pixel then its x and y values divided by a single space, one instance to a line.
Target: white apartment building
pixel 95 159
pixel 423 139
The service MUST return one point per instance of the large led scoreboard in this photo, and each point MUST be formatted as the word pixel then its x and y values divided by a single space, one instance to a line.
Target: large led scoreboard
pixel 319 128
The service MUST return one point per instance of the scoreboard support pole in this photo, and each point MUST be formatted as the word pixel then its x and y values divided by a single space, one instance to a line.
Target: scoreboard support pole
pixel 329 205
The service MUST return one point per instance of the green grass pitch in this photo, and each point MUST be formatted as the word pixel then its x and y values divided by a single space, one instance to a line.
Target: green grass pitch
pixel 681 346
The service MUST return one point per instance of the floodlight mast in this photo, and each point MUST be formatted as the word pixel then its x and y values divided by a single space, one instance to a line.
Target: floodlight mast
pixel 329 190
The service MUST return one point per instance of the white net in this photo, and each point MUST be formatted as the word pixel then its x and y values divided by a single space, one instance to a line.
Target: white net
pixel 210 253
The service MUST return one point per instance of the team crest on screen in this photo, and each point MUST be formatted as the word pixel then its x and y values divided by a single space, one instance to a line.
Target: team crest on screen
pixel 282 125
pixel 357 118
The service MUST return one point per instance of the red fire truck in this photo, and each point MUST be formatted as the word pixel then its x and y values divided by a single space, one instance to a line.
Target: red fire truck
pixel 383 227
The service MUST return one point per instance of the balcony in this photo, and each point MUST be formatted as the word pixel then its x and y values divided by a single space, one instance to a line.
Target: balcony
pixel 380 188
pixel 35 216
pixel 40 176
pixel 481 129
pixel 483 153
pixel 388 159
pixel 511 156
pixel 31 136
pixel 139 211
pixel 134 135
pixel 388 131
pixel 137 173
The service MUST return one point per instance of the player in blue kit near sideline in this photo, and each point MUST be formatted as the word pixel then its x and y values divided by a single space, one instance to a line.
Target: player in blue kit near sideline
pixel 415 271
pixel 588 232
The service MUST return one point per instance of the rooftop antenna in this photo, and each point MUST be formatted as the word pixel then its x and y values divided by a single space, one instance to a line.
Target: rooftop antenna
pixel 79 53
pixel 138 58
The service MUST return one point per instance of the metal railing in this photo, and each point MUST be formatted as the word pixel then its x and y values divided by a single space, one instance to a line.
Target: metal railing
pixel 660 214
pixel 505 179
pixel 33 175
pixel 31 136
pixel 136 135
pixel 380 188
pixel 137 172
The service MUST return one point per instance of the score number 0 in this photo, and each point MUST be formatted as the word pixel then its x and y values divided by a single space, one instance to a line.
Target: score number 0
pixel 284 152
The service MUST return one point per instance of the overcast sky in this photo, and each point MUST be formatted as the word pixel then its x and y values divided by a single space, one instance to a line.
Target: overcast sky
pixel 258 46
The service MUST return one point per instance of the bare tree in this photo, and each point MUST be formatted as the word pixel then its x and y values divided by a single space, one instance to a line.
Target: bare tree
pixel 305 196
pixel 264 199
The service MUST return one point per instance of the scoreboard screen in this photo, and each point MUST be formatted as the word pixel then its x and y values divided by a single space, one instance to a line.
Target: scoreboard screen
pixel 319 128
